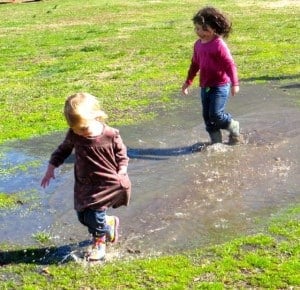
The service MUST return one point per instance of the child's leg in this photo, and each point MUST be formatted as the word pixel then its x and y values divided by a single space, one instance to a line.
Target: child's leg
pixel 215 137
pixel 213 130
pixel 99 224
pixel 205 109
pixel 96 223
pixel 234 130
pixel 217 115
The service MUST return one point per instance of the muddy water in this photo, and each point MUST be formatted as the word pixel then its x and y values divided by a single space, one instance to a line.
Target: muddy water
pixel 185 194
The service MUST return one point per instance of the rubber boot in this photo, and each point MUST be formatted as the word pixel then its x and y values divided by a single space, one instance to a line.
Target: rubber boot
pixel 215 137
pixel 234 132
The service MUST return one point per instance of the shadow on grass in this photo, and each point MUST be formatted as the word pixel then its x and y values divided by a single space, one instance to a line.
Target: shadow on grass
pixel 20 1
pixel 42 256
pixel 270 78
pixel 292 86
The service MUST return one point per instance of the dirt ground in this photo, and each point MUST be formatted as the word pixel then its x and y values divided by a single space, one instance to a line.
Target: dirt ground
pixel 185 194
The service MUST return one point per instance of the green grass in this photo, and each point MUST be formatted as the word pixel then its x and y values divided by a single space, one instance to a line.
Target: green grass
pixel 23 167
pixel 267 260
pixel 42 237
pixel 133 55
pixel 14 200
pixel 7 201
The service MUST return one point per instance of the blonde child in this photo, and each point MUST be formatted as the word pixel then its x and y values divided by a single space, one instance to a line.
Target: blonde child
pixel 100 169
pixel 218 73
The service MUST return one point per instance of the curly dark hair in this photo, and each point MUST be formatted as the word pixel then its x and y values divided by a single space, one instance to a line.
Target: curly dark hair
pixel 210 16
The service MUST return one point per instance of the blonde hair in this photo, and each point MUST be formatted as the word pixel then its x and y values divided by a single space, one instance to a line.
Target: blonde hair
pixel 81 107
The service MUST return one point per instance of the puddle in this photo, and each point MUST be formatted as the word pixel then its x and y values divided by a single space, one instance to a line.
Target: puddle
pixel 185 195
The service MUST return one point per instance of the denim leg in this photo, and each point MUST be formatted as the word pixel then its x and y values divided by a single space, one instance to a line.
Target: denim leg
pixel 214 102
pixel 209 126
pixel 95 221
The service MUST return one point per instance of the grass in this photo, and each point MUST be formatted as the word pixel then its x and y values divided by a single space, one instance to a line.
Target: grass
pixel 42 237
pixel 16 199
pixel 267 260
pixel 134 55
pixel 8 201
pixel 11 169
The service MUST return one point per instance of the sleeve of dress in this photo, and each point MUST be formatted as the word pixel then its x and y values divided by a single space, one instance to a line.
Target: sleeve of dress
pixel 120 151
pixel 63 151
pixel 229 65
pixel 193 69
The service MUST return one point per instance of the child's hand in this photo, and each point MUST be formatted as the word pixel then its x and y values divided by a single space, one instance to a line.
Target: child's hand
pixel 122 170
pixel 184 89
pixel 48 175
pixel 234 90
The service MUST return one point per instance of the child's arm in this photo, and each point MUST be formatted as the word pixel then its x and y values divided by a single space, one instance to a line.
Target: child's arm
pixel 192 72
pixel 234 90
pixel 63 151
pixel 58 157
pixel 230 67
pixel 184 89
pixel 48 175
pixel 121 154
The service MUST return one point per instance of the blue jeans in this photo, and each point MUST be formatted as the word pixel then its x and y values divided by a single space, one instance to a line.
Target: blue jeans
pixel 95 221
pixel 214 101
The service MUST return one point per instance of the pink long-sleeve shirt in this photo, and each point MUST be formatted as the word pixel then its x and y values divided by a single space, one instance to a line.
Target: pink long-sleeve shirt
pixel 214 62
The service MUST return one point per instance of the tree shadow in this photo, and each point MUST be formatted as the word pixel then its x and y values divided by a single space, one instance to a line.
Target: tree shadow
pixel 23 1
pixel 42 256
pixel 164 153
pixel 291 86
pixel 270 78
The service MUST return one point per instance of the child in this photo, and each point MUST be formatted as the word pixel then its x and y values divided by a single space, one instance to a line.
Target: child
pixel 217 71
pixel 100 169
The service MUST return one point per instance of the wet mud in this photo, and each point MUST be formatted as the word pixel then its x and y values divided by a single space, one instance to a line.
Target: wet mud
pixel 185 194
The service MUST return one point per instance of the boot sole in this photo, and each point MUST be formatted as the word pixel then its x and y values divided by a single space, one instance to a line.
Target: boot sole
pixel 116 233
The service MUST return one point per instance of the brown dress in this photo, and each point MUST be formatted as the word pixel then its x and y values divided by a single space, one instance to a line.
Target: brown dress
pixel 97 186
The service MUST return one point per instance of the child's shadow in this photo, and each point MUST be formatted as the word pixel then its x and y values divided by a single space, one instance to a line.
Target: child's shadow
pixel 44 256
pixel 157 153
pixel 164 153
